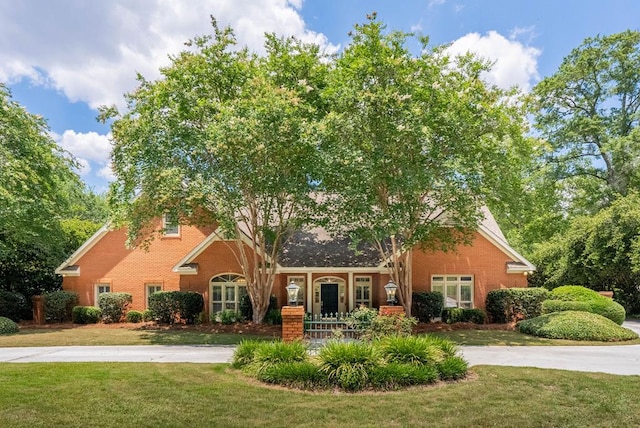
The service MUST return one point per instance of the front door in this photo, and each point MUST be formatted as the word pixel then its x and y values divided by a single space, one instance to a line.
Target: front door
pixel 329 298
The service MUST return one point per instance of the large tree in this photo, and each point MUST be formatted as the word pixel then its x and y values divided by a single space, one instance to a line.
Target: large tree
pixel 589 112
pixel 223 138
pixel 414 147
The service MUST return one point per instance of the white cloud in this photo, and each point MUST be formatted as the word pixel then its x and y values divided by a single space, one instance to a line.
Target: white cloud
pixel 91 51
pixel 433 3
pixel 514 63
pixel 91 145
pixel 84 167
pixel 107 173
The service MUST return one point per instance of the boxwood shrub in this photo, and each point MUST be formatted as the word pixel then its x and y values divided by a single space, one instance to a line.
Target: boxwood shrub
pixel 8 326
pixel 514 304
pixel 14 306
pixel 134 316
pixel 576 325
pixel 114 306
pixel 86 314
pixel 581 298
pixel 454 315
pixel 169 307
pixel 59 304
pixel 427 305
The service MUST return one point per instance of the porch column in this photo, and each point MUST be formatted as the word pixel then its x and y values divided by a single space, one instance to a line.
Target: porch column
pixel 309 292
pixel 352 296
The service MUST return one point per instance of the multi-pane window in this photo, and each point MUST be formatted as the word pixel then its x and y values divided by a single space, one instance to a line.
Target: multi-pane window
pixel 152 288
pixel 226 292
pixel 102 288
pixel 170 225
pixel 300 282
pixel 363 291
pixel 457 290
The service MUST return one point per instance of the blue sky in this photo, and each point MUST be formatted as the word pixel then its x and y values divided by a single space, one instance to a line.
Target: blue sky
pixel 64 58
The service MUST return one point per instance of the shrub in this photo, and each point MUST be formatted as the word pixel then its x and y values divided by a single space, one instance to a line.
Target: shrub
pixel 414 350
pixel 226 317
pixel 596 303
pixel 553 305
pixel 58 305
pixel 299 374
pixel 85 314
pixel 114 306
pixel 246 310
pixel 454 315
pixel 427 306
pixel 169 307
pixel 8 326
pixel 268 354
pixel 134 316
pixel 360 319
pixel 14 306
pixel 452 368
pixel 396 375
pixel 576 325
pixel 348 364
pixel 388 325
pixel 273 317
pixel 448 348
pixel 147 315
pixel 514 304
pixel 243 355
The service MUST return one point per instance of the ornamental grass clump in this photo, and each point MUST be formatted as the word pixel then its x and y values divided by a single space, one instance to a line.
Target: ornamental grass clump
pixel 268 354
pixel 299 374
pixel 393 376
pixel 453 368
pixel 413 350
pixel 348 365
pixel 243 356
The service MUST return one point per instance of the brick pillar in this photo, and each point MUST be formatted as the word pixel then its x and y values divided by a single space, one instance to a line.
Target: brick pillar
pixel 391 310
pixel 292 323
pixel 38 309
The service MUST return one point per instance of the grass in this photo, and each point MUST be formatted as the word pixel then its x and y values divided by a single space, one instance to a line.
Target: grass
pixel 515 338
pixel 167 395
pixel 80 336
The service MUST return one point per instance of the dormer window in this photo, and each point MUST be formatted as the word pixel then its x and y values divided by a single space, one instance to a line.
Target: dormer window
pixel 170 225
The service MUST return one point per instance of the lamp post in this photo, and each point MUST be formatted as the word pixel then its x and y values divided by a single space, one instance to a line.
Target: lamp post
pixel 390 289
pixel 292 293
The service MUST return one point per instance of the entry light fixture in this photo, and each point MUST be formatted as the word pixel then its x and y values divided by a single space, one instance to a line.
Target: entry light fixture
pixel 390 289
pixel 292 293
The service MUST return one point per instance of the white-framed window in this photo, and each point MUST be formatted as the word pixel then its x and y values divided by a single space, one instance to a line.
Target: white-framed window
pixel 152 288
pixel 227 292
pixel 102 288
pixel 456 289
pixel 300 281
pixel 363 291
pixel 170 225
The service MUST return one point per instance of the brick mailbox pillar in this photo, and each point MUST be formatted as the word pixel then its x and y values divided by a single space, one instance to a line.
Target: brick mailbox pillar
pixel 292 323
pixel 391 310
pixel 38 309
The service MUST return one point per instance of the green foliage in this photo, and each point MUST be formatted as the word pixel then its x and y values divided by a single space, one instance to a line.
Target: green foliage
pixel 595 302
pixel 448 347
pixel 454 315
pixel 268 354
pixel 299 374
pixel 244 353
pixel 114 306
pixel 59 304
pixel 134 316
pixel 348 364
pixel 553 305
pixel 147 315
pixel 513 304
pixel 8 326
pixel 86 314
pixel 574 325
pixel 397 375
pixel 387 325
pixel 246 309
pixel 427 305
pixel 169 307
pixel 414 350
pixel 453 368
pixel 360 319
pixel 228 316
pixel 273 317
pixel 14 306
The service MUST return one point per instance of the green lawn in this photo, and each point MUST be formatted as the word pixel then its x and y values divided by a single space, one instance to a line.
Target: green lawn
pixel 212 395
pixel 514 338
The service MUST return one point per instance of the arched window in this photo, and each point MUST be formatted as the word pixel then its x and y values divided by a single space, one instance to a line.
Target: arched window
pixel 226 292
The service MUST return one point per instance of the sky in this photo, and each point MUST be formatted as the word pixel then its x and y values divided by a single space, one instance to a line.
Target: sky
pixel 62 59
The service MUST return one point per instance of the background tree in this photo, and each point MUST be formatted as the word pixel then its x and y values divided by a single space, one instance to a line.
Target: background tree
pixel 414 147
pixel 223 138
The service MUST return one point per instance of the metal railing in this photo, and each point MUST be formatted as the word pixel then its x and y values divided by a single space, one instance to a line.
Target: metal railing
pixel 327 326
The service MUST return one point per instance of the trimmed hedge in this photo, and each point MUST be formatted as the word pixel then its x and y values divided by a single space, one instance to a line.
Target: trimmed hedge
pixel 114 306
pixel 427 305
pixel 454 315
pixel 576 325
pixel 514 304
pixel 169 307
pixel 8 326
pixel 14 306
pixel 134 316
pixel 86 314
pixel 578 298
pixel 59 304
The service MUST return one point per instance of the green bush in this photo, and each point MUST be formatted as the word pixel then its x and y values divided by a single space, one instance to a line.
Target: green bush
pixel 8 326
pixel 298 374
pixel 273 317
pixel 114 306
pixel 169 307
pixel 14 306
pixel 134 316
pixel 85 314
pixel 576 325
pixel 596 303
pixel 349 364
pixel 427 305
pixel 244 353
pixel 454 315
pixel 59 304
pixel 268 354
pixel 415 350
pixel 147 315
pixel 360 319
pixel 448 348
pixel 246 310
pixel 228 316
pixel 514 304
pixel 452 368
pixel 397 375
pixel 553 305
pixel 389 325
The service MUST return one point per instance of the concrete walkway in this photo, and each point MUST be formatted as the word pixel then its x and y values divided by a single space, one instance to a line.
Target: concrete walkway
pixel 620 359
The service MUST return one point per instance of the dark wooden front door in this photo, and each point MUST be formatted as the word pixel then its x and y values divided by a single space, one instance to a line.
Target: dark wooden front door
pixel 329 298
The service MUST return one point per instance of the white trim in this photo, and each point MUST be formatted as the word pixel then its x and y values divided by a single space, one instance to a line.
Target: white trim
pixel 351 291
pixel 505 247
pixel 164 228
pixel 309 292
pixel 84 248
pixel 370 285
pixel 458 286
pixel 95 290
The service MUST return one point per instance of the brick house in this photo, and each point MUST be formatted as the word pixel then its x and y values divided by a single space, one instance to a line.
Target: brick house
pixel 332 277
